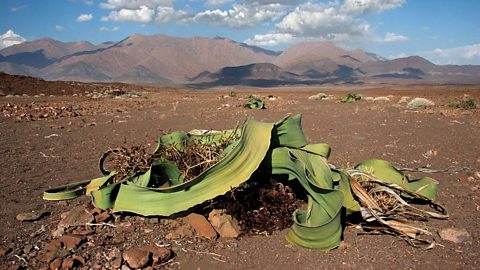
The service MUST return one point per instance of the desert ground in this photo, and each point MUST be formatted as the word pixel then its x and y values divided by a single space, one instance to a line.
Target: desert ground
pixel 41 150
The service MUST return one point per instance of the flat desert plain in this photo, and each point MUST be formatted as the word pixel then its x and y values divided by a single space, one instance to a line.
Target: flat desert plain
pixel 56 150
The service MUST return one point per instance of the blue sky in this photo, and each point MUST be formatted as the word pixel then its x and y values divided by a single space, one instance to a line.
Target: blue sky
pixel 445 32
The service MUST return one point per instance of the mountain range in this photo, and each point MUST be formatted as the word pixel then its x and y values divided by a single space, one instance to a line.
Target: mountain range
pixel 201 61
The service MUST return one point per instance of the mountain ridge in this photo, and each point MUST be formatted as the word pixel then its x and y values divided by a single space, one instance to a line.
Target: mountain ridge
pixel 162 59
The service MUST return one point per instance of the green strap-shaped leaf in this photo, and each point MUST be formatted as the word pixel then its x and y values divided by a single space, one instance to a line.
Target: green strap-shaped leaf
pixel 230 172
pixel 66 192
pixel 158 175
pixel 349 202
pixel 385 171
pixel 176 138
pixel 71 191
pixel 310 231
pixel 288 132
pixel 319 226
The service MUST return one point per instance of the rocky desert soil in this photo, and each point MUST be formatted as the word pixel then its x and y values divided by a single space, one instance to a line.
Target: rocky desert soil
pixel 46 141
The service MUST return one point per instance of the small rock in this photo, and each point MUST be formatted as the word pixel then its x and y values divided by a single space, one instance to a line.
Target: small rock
pixel 58 232
pixel 56 264
pixel 27 249
pixel 117 263
pixel 32 254
pixel 455 235
pixel 30 216
pixel 78 216
pixel 172 223
pixel 70 241
pixel 381 99
pixel 114 254
pixel 201 226
pixel 53 245
pixel 68 263
pixel 80 259
pixel 404 100
pixel 343 245
pixel 153 220
pixel 320 96
pixel 118 239
pixel 124 267
pixel 224 224
pixel 180 232
pixel 53 254
pixel 136 257
pixel 159 254
pixel 102 217
pixel 74 261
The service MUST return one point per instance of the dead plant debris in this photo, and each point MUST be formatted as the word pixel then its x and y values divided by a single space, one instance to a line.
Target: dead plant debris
pixel 195 157
pixel 389 208
pixel 261 206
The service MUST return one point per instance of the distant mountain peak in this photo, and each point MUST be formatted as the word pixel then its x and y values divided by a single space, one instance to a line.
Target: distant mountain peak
pixel 161 58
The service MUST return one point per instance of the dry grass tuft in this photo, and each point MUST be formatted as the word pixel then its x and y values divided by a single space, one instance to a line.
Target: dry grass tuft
pixel 387 208
pixel 196 157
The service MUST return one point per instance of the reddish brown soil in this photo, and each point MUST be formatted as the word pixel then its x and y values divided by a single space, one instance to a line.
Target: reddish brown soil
pixel 19 85
pixel 34 160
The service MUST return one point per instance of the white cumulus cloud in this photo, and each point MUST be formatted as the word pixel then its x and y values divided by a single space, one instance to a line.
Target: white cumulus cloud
pixel 143 14
pixel 168 14
pixel 392 37
pixel 10 38
pixel 463 55
pixel 84 17
pixel 265 2
pixel 142 11
pixel 357 7
pixel 134 4
pixel 241 15
pixel 333 21
pixel 210 3
pixel 322 21
pixel 273 39
pixel 294 20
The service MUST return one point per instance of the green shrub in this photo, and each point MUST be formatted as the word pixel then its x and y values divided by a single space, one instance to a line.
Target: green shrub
pixel 351 97
pixel 466 103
